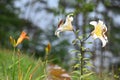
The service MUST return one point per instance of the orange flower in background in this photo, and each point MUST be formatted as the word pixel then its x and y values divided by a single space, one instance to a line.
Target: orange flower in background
pixel 99 31
pixel 21 38
pixel 65 26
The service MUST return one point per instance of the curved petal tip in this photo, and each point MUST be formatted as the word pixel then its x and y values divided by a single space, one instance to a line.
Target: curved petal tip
pixel 94 23
pixel 104 41
pixel 57 33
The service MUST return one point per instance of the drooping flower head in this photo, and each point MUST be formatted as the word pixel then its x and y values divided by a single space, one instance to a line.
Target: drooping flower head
pixel 22 37
pixel 65 26
pixel 99 31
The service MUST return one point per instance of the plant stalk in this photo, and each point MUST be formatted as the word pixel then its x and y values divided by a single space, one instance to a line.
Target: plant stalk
pixel 81 60
pixel 13 59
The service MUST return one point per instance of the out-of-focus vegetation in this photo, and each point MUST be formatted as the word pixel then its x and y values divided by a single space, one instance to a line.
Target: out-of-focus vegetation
pixel 12 24
pixel 28 68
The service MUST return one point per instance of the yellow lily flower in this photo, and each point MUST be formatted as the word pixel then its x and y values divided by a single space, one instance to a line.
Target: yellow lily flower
pixel 22 37
pixel 99 31
pixel 67 26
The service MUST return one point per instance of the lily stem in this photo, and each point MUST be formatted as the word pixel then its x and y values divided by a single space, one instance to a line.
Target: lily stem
pixel 81 59
pixel 81 51
pixel 86 38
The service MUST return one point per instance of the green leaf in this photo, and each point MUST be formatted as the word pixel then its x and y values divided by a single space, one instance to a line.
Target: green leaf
pixel 75 51
pixel 74 41
pixel 76 72
pixel 15 63
pixel 89 53
pixel 77 66
pixel 79 55
pixel 86 75
pixel 119 69
pixel 89 42
pixel 27 72
pixel 89 64
pixel 80 37
pixel 77 31
pixel 83 48
pixel 86 59
pixel 116 76
pixel 75 77
pixel 74 59
pixel 85 69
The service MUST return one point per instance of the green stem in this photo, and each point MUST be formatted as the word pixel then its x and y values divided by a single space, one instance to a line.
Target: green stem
pixel 86 38
pixel 45 71
pixel 19 68
pixel 82 57
pixel 46 61
pixel 82 52
pixel 13 59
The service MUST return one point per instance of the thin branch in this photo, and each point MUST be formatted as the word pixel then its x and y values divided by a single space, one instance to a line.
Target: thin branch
pixel 86 38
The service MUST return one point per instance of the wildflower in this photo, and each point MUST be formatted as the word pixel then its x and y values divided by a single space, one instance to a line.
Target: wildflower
pixel 48 48
pixel 12 41
pixel 99 31
pixel 65 26
pixel 21 38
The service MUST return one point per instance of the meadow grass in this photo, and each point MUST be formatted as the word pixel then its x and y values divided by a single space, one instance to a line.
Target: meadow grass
pixel 26 67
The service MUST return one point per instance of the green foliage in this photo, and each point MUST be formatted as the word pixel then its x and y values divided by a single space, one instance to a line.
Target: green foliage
pixel 25 67
pixel 83 63
pixel 35 69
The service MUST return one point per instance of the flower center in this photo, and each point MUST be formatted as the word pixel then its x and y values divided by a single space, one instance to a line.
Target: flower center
pixel 98 30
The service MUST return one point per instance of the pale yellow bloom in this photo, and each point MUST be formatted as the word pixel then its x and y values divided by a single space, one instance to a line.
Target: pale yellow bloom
pixel 67 26
pixel 99 31
pixel 22 37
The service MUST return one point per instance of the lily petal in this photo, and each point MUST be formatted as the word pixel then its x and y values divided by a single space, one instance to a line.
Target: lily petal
pixel 104 28
pixel 94 23
pixel 103 41
pixel 69 18
pixel 67 26
pixel 94 36
pixel 105 37
pixel 99 31
pixel 21 38
pixel 57 33
pixel 101 22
